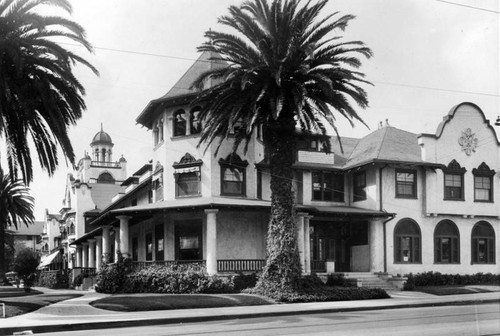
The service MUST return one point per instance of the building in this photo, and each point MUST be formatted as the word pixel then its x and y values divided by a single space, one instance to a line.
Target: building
pixel 91 188
pixel 392 202
pixel 27 236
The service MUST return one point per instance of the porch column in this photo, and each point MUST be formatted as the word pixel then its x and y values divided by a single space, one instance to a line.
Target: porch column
pixel 307 245
pixel 376 240
pixel 78 260
pixel 92 253
pixel 106 244
pixel 211 241
pixel 85 248
pixel 124 248
pixel 98 252
pixel 117 243
pixel 300 238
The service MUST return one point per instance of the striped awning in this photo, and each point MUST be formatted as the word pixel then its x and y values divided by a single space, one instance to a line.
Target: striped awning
pixel 187 170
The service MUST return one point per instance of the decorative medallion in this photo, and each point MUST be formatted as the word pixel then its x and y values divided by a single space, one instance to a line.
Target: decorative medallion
pixel 468 141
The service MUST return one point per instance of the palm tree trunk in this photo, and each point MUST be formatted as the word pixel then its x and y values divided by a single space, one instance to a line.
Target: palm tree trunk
pixel 3 266
pixel 282 270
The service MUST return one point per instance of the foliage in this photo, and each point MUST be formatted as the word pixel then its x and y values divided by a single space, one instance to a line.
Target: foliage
pixel 25 264
pixel 39 95
pixel 111 277
pixel 16 206
pixel 53 279
pixel 438 279
pixel 339 280
pixel 78 280
pixel 282 69
pixel 243 281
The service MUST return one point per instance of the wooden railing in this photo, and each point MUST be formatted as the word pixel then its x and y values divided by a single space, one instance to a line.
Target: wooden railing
pixel 87 271
pixel 240 265
pixel 136 265
pixel 318 266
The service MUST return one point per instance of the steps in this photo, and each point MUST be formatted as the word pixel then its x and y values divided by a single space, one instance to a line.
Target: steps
pixel 370 280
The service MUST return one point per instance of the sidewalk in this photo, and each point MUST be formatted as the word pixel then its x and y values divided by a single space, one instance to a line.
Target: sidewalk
pixel 77 314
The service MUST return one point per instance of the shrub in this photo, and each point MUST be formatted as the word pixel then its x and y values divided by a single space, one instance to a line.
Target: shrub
pixel 53 279
pixel 410 283
pixel 244 281
pixel 25 264
pixel 339 280
pixel 111 278
pixel 438 279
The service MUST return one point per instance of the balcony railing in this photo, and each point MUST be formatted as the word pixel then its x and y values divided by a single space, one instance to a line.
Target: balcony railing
pixel 105 164
pixel 240 265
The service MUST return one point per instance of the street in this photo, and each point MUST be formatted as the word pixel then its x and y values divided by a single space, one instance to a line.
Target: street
pixel 483 319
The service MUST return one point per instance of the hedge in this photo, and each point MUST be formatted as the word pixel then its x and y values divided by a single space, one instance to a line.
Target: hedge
pixel 438 279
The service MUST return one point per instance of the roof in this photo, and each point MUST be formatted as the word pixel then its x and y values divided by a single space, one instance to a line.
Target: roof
pixel 182 88
pixel 101 138
pixel 343 211
pixel 34 229
pixel 387 144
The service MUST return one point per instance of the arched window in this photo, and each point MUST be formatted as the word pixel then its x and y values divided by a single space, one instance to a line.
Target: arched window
pixel 103 157
pixel 105 178
pixel 446 243
pixel 72 229
pixel 483 243
pixel 179 123
pixel 194 120
pixel 156 135
pixel 233 175
pixel 407 242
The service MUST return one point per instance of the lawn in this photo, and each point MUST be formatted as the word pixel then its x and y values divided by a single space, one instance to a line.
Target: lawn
pixel 145 302
pixel 451 290
pixel 18 302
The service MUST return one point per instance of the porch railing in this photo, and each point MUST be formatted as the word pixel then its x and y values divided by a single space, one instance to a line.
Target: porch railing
pixel 87 271
pixel 137 265
pixel 240 265
pixel 318 266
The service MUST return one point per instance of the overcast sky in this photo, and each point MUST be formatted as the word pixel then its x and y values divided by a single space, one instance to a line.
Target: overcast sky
pixel 429 55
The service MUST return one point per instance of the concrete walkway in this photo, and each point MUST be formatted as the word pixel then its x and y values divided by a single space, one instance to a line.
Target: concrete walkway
pixel 77 314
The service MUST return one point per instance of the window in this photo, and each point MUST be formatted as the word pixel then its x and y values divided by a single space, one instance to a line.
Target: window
pixel 159 239
pixel 406 184
pixel 483 243
pixel 179 123
pixel 327 186
pixel 106 178
pixel 187 176
pixel 188 184
pixel 149 246
pixel 158 185
pixel 359 191
pixel 407 242
pixel 446 243
pixel 194 120
pixel 454 182
pixel 233 175
pixel 483 183
pixel 158 132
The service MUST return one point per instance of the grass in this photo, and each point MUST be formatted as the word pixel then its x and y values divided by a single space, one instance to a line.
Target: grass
pixel 146 302
pixel 451 290
pixel 18 302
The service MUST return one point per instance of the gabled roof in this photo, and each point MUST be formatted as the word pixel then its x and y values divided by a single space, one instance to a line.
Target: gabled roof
pixel 181 90
pixel 388 144
pixel 34 229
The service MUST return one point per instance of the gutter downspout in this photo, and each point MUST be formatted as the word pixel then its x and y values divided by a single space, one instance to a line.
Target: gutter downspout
pixel 381 208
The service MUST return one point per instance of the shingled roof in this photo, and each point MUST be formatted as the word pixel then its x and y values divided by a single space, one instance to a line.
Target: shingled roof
pixel 387 144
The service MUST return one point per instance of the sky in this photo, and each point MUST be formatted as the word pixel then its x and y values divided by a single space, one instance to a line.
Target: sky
pixel 429 55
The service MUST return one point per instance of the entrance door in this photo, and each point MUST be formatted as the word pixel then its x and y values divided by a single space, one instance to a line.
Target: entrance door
pixel 188 240
pixel 329 242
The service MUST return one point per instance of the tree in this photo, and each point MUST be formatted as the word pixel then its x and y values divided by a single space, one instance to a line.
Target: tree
pixel 25 264
pixel 285 70
pixel 16 206
pixel 39 95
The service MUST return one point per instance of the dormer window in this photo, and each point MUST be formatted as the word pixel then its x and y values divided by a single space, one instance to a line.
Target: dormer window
pixel 233 175
pixel 179 123
pixel 187 173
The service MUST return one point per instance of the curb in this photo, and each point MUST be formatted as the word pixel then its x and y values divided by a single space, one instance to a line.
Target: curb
pixel 193 319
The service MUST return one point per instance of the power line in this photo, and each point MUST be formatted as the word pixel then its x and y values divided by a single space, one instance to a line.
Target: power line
pixel 467 6
pixel 437 89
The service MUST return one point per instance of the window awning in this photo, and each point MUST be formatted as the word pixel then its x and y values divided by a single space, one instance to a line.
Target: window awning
pixel 187 170
pixel 48 259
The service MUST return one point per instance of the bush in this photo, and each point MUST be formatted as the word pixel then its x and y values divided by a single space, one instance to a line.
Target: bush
pixel 53 279
pixel 410 283
pixel 438 279
pixel 244 281
pixel 78 280
pixel 339 280
pixel 25 264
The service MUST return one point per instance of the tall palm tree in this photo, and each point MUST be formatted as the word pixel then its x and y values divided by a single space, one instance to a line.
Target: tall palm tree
pixel 285 69
pixel 39 95
pixel 16 206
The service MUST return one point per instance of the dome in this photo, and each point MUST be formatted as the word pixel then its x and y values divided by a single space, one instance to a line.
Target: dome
pixel 101 138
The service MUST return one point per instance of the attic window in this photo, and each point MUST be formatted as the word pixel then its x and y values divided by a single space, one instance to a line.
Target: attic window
pixel 179 123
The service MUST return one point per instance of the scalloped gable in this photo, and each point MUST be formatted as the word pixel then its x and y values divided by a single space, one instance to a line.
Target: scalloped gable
pixel 447 118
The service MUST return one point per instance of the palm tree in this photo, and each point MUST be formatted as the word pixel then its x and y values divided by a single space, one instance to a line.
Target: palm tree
pixel 16 206
pixel 39 95
pixel 283 69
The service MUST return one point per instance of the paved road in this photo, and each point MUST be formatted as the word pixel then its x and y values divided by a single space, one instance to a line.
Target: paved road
pixel 482 319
